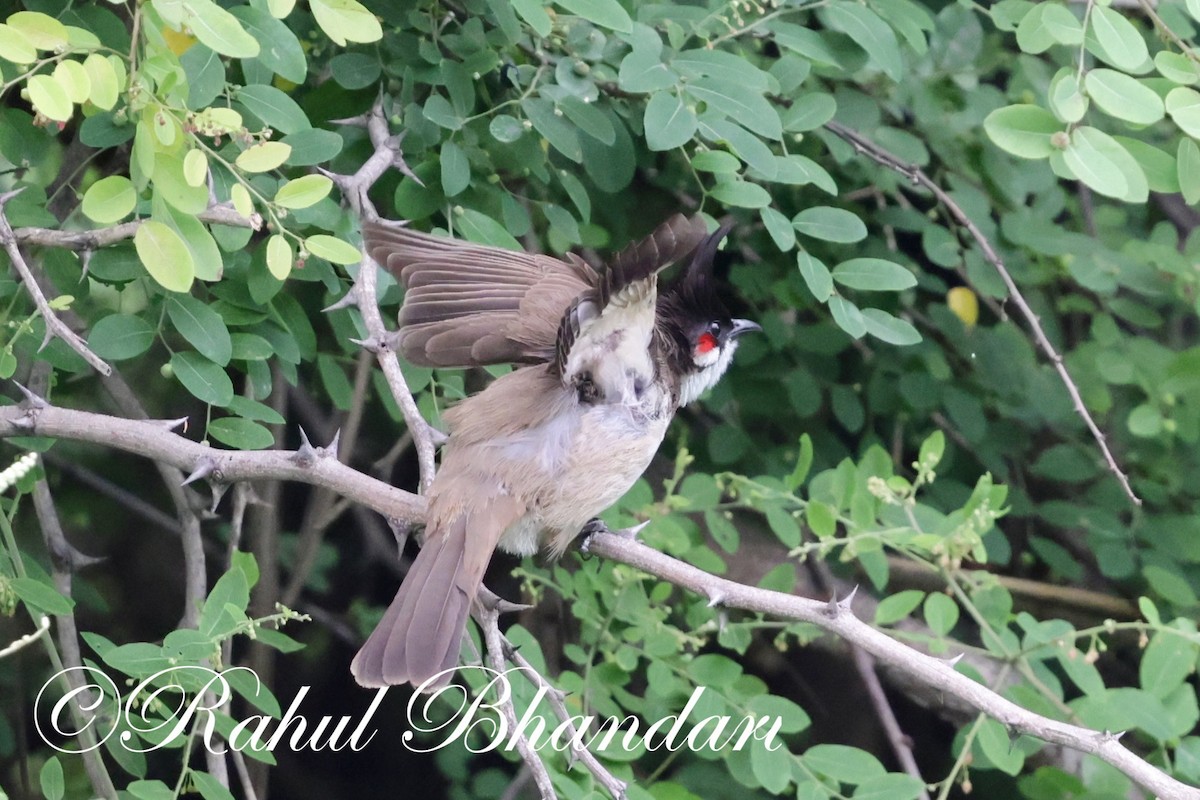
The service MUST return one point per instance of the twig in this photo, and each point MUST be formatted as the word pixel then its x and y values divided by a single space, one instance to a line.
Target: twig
pixel 68 632
pixel 917 176
pixel 55 327
pixel 102 237
pixel 897 738
pixel 153 439
pixel 496 654
pixel 934 672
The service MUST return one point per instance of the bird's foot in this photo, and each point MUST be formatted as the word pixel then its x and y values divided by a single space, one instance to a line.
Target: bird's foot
pixel 594 525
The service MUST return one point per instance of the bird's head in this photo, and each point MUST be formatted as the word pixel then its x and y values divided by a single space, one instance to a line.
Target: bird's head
pixel 705 332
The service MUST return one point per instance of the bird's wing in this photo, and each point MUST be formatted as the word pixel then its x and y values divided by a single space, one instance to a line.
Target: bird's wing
pixel 603 340
pixel 468 305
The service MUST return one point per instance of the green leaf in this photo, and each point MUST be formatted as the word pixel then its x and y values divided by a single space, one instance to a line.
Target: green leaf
pixel 1067 100
pixel 1117 40
pixel 202 327
pixel 456 169
pixel 1188 163
pixel 263 157
pixel 51 778
pixel 280 258
pixel 103 89
pixel 590 119
pixel 206 381
pixel 241 433
pixel 896 607
pixel 1048 24
pixel 1124 97
pixel 15 46
pixel 1161 170
pixel 273 107
pixel 941 613
pixel 847 316
pixel 893 786
pixel 816 276
pixel 1145 421
pixel 1166 663
pixel 1023 130
pixel 505 128
pixel 804 461
pixel 302 192
pixel 346 21
pixel 561 135
pixel 1176 67
pixel 534 14
pixel 741 194
pixel 205 76
pixel 121 336
pixel 605 13
pixel 821 519
pixel 279 49
pixel 355 70
pixel 1183 104
pixel 219 30
pixel 40 30
pixel 195 168
pixel 669 123
pixel 165 256
pixel 992 740
pixel 49 98
pixel 109 200
pixel 809 112
pixel 312 146
pixel 749 108
pixel 889 328
pixel 873 275
pixel 332 249
pixel 642 69
pixel 716 161
pixel 1100 162
pixel 843 764
pixel 830 224
pixel 742 142
pixel 40 597
pixel 869 32
pixel 780 228
pixel 171 185
pixel 482 229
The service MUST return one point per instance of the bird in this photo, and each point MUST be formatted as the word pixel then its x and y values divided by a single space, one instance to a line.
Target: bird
pixel 603 359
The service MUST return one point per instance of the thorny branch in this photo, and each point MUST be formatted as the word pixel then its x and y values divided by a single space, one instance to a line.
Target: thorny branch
pixel 917 176
pixel 154 440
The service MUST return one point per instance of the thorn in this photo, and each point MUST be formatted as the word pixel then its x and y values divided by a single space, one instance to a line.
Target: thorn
pixel 844 605
pixel 508 607
pixel 32 400
pixel 172 424
pixel 218 491
pixel 203 470
pixel 6 196
pixel 1112 736
pixel 305 453
pixel 633 531
pixel 715 597
pixel 347 300
pixel 952 662
pixel 722 620
pixel 359 121
pixel 46 339
pixel 331 449
pixel 437 437
pixel 508 649
pixel 371 344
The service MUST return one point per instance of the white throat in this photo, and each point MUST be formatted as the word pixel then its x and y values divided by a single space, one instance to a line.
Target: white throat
pixel 697 383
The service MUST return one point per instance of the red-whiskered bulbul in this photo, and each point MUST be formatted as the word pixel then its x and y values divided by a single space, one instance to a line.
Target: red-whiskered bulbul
pixel 545 448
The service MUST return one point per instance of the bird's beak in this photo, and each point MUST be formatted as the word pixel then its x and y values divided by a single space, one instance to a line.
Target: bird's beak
pixel 741 326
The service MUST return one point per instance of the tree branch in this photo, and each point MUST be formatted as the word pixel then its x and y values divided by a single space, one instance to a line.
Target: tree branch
pixel 55 327
pixel 838 619
pixel 102 237
pixel 917 176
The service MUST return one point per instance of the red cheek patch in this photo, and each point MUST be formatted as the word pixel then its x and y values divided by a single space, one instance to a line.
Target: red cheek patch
pixel 706 343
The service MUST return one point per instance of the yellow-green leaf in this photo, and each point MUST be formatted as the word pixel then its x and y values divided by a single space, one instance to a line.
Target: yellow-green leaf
pixel 165 256
pixel 41 30
pixel 102 79
pixel 219 30
pixel 280 8
pixel 109 199
pixel 346 21
pixel 195 168
pixel 74 79
pixel 263 157
pixel 279 257
pixel 15 47
pixel 50 98
pixel 303 192
pixel 332 249
pixel 241 200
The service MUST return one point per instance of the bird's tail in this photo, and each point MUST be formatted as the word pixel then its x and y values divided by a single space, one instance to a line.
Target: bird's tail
pixel 421 632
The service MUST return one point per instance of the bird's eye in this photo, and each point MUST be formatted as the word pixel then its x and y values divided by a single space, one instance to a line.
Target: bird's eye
pixel 714 328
